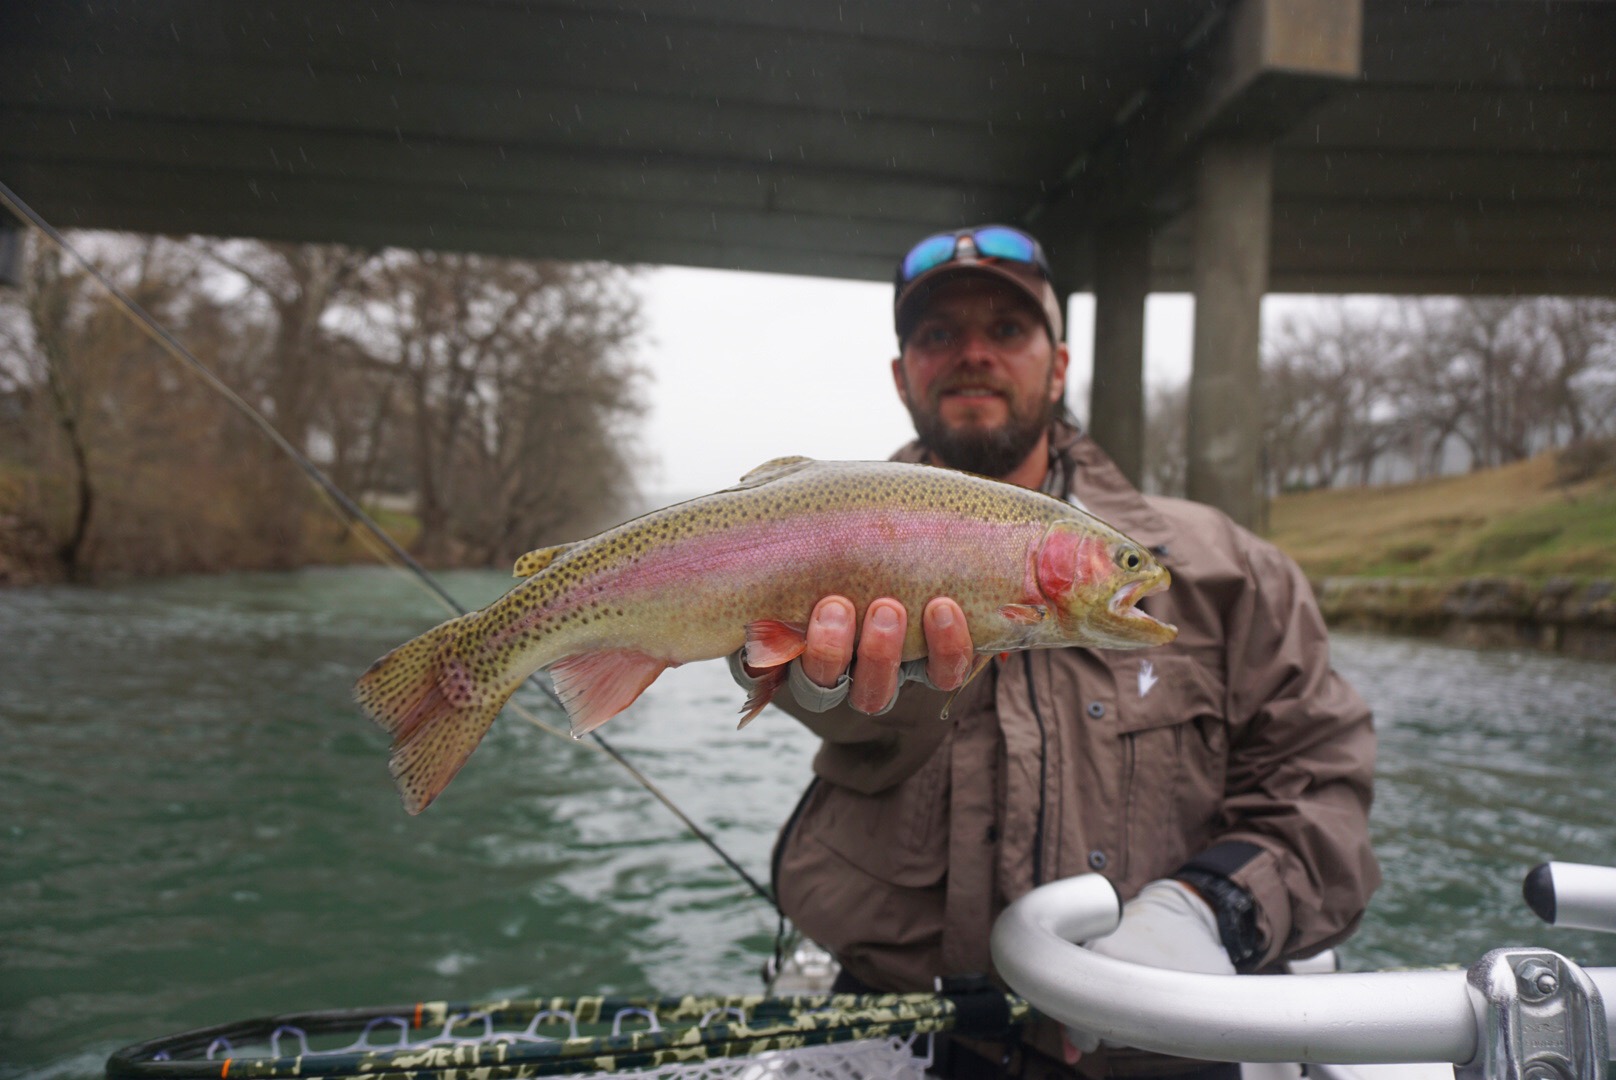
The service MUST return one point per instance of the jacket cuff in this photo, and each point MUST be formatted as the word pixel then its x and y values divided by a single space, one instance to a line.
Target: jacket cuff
pixel 1218 875
pixel 1257 869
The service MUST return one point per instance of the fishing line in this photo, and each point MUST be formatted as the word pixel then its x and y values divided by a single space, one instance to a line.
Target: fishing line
pixel 344 507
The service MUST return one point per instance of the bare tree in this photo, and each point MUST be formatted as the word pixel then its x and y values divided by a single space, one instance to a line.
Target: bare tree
pixel 1580 340
pixel 288 294
pixel 1166 438
pixel 511 379
pixel 1327 410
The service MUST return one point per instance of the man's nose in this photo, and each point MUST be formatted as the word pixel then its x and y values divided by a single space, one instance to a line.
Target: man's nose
pixel 976 347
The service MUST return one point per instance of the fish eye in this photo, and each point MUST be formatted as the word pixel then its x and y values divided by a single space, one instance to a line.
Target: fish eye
pixel 1129 558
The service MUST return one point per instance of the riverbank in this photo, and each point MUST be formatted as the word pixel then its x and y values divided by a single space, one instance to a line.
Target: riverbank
pixel 1521 555
pixel 1564 615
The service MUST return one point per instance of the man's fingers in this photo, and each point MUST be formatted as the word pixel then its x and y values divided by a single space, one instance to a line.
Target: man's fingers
pixel 829 647
pixel 880 649
pixel 949 652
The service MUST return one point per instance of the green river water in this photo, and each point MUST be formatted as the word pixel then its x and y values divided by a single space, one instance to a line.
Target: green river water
pixel 198 827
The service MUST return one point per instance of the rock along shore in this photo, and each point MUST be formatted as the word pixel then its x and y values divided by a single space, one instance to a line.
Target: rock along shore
pixel 1577 618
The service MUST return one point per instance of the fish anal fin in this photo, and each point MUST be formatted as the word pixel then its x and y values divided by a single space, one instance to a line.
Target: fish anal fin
pixel 534 561
pixel 596 686
pixel 771 643
pixel 772 469
pixel 1027 614
pixel 763 691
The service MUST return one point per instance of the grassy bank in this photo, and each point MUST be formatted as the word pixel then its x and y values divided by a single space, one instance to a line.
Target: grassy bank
pixel 1535 520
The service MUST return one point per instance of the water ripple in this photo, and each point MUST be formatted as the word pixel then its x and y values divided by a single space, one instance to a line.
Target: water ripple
pixel 200 828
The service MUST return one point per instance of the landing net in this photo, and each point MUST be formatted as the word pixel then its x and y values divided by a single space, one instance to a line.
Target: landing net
pixel 754 1037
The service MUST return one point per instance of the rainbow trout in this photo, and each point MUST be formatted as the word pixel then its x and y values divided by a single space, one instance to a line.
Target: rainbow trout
pixel 744 567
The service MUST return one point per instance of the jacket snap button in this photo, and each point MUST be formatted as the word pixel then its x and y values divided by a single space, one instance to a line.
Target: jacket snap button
pixel 1097 859
pixel 1096 709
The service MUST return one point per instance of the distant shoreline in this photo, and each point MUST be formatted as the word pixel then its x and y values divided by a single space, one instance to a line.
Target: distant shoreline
pixel 1563 615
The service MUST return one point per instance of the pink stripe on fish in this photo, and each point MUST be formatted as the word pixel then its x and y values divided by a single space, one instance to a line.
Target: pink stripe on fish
pixel 761 551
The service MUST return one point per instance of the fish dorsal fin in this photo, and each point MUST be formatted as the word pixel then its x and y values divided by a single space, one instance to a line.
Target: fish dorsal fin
pixel 773 469
pixel 534 561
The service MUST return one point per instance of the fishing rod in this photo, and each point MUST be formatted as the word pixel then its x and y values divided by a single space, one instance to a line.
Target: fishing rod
pixel 350 512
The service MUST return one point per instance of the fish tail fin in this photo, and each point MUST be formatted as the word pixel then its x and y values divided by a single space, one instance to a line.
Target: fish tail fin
pixel 428 700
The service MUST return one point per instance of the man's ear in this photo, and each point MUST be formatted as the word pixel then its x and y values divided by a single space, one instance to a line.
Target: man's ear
pixel 1057 375
pixel 899 381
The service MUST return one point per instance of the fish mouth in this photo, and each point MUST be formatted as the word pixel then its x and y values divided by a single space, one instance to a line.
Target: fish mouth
pixel 1123 607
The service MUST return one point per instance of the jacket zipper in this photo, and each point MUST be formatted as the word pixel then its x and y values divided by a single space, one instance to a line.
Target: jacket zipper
pixel 1043 773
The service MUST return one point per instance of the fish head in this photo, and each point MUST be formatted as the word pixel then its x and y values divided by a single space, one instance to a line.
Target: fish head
pixel 1093 578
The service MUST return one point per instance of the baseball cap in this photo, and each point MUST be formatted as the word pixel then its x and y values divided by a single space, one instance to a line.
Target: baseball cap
pixel 1000 251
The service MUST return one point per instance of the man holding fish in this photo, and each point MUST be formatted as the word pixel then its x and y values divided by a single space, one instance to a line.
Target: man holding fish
pixel 1221 778
pixel 1221 781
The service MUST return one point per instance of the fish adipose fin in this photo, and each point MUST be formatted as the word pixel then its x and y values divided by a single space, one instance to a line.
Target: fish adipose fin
pixel 534 561
pixel 435 712
pixel 596 686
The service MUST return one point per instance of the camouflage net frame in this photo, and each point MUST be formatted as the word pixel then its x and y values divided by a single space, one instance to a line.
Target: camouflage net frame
pixel 754 1036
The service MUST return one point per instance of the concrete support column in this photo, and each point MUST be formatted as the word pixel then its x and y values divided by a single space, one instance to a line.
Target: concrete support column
pixel 1233 202
pixel 11 241
pixel 1117 394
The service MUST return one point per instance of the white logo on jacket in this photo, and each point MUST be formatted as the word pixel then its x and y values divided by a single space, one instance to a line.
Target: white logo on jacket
pixel 1147 677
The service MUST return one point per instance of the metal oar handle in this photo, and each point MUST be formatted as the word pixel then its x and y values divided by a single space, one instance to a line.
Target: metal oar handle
pixel 1354 1018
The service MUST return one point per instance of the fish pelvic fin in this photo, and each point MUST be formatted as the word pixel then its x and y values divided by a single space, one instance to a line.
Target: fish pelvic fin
pixel 596 686
pixel 763 691
pixel 770 643
pixel 430 703
pixel 534 561
pixel 982 661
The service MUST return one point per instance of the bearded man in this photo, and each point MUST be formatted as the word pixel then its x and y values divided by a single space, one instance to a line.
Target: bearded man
pixel 1222 782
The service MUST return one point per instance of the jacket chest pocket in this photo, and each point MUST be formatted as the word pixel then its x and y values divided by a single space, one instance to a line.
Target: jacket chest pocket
pixel 1174 745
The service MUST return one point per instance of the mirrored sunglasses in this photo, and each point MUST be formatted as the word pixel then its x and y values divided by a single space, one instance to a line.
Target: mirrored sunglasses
pixel 989 242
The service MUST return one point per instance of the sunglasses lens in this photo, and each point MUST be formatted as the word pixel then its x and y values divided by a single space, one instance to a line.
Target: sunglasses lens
pixel 1002 243
pixel 930 252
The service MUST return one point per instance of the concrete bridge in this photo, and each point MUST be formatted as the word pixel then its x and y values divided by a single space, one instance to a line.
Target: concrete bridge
pixel 1228 147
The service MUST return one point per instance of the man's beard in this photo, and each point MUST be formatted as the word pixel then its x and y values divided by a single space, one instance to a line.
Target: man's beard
pixel 991 452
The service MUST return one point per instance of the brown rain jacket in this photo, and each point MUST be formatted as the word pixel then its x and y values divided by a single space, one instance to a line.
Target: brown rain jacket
pixel 1237 744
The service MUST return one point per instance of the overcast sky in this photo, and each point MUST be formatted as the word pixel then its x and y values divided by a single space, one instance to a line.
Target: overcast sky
pixel 745 367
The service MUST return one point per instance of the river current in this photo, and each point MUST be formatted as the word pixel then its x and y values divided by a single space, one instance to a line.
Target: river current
pixel 199 827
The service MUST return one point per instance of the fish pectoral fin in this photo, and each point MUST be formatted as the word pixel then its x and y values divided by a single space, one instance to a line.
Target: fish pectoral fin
pixel 982 661
pixel 1029 614
pixel 534 561
pixel 596 686
pixel 772 469
pixel 771 643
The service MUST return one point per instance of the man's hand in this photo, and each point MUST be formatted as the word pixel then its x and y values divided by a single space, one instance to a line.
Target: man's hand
pixel 831 649
pixel 1167 925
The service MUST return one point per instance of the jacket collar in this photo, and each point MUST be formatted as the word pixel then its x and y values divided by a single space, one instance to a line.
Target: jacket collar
pixel 1099 485
pixel 1095 479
